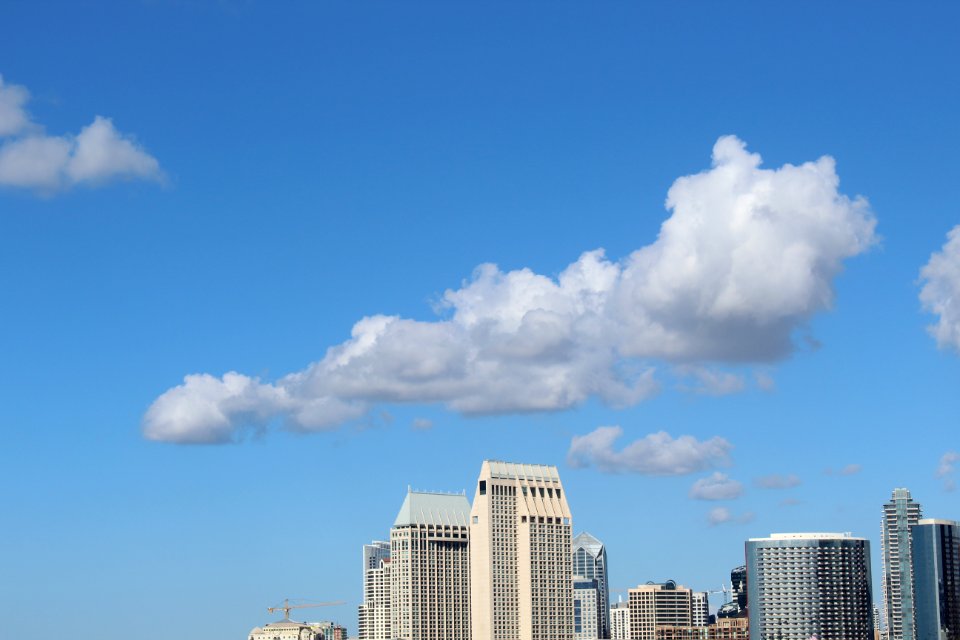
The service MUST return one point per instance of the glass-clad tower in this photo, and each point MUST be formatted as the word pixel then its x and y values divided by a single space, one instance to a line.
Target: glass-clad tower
pixel 899 514
pixel 590 562
pixel 936 579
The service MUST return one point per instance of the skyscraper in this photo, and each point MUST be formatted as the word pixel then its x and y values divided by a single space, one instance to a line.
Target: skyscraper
pixel 899 515
pixel 654 605
pixel 936 579
pixel 374 613
pixel 590 561
pixel 521 580
pixel 806 584
pixel 430 568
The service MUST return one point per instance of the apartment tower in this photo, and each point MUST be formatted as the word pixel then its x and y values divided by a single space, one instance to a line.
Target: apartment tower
pixel 590 562
pixel 802 585
pixel 901 513
pixel 430 568
pixel 374 613
pixel 585 603
pixel 521 580
pixel 936 579
pixel 620 621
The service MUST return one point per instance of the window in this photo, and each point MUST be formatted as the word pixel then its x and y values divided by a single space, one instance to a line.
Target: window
pixel 483 487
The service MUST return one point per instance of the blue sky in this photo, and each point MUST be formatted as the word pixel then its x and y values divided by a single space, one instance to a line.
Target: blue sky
pixel 263 177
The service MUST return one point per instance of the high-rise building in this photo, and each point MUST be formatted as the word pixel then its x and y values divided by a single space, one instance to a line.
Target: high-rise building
pixel 585 605
pixel 654 605
pixel 809 584
pixel 430 568
pixel 373 615
pixel 590 561
pixel 899 515
pixel 738 587
pixel 936 579
pixel 620 621
pixel 521 580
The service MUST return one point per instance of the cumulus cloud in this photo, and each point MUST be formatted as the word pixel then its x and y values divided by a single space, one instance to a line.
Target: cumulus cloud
pixel 657 454
pixel 940 294
pixel 723 515
pixel 31 159
pixel 946 468
pixel 747 256
pixel 717 486
pixel 777 481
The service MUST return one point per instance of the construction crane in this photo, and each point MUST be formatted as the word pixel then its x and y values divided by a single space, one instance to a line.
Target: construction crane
pixel 724 590
pixel 287 607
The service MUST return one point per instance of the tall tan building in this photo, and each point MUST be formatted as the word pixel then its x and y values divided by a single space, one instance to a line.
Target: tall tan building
pixel 521 532
pixel 430 568
pixel 656 605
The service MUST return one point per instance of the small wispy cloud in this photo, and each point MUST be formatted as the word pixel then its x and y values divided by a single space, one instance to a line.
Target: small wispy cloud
pixel 946 468
pixel 848 470
pixel 723 515
pixel 777 481
pixel 710 381
pixel 790 502
pixel 657 454
pixel 422 424
pixel 717 486
pixel 31 159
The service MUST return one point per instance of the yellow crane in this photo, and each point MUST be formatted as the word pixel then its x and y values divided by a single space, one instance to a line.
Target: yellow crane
pixel 287 607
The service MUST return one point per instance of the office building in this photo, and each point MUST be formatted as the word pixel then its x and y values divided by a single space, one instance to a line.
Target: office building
pixel 936 579
pixel 373 616
pixel 585 604
pixel 809 584
pixel 430 568
pixel 521 580
pixel 620 621
pixel 654 605
pixel 899 514
pixel 700 608
pixel 590 561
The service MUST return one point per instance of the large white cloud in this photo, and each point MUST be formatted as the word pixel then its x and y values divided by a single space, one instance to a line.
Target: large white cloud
pixel 747 256
pixel 31 159
pixel 940 294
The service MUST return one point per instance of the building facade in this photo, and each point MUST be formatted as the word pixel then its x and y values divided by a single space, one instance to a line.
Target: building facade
pixel 521 581
pixel 809 584
pixel 373 616
pixel 620 621
pixel 590 561
pixel 430 568
pixel 585 604
pixel 656 605
pixel 936 575
pixel 899 514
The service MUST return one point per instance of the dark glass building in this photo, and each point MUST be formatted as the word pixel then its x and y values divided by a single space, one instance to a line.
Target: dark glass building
pixel 936 579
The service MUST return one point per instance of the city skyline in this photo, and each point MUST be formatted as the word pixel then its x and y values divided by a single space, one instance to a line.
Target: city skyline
pixel 266 265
